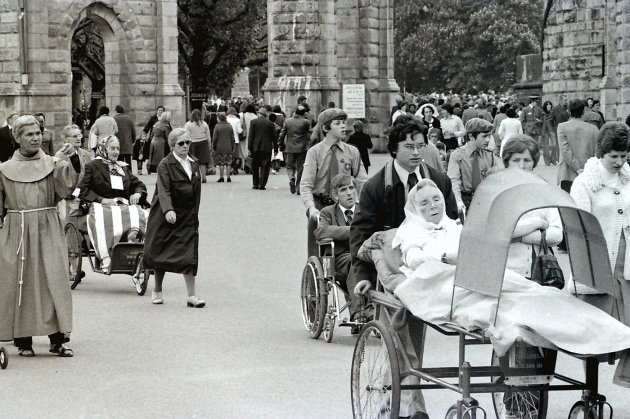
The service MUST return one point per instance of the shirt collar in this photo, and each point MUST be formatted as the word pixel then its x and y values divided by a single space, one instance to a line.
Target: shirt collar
pixel 344 209
pixel 188 159
pixel 403 174
pixel 469 149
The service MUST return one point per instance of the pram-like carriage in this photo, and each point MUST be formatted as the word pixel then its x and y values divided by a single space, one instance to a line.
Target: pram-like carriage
pixel 126 256
pixel 520 380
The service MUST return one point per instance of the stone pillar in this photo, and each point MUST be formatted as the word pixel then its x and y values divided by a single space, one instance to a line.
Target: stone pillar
pixel 623 60
pixel 168 92
pixel 241 84
pixel 609 86
pixel 302 59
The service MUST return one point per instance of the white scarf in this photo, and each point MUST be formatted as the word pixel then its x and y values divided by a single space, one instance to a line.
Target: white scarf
pixel 597 176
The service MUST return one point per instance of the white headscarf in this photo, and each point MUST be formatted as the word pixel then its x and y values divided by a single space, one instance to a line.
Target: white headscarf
pixel 416 231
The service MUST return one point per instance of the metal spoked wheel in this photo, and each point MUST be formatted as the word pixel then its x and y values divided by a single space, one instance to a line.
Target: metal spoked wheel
pixel 519 404
pixel 375 376
pixel 313 296
pixel 451 413
pixel 577 412
pixel 74 243
pixel 141 277
pixel 4 358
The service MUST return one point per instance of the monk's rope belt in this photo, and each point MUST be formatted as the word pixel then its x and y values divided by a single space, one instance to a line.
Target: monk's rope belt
pixel 21 245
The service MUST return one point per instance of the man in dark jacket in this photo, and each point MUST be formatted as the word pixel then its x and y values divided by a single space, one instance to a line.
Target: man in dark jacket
pixel 263 138
pixel 7 142
pixel 126 134
pixel 381 207
pixel 293 140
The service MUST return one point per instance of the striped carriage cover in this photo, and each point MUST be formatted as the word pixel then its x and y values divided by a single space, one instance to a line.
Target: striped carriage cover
pixel 107 224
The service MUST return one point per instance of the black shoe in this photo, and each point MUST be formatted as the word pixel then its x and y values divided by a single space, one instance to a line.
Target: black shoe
pixel 292 186
pixel 262 188
pixel 254 187
pixel 220 180
pixel 229 180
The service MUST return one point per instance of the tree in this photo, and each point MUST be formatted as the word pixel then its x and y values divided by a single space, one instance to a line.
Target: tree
pixel 465 46
pixel 216 39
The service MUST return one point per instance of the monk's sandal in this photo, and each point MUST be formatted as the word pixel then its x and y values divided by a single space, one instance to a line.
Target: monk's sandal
pixel 61 350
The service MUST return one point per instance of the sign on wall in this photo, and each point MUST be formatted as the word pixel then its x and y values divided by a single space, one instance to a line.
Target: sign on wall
pixel 354 100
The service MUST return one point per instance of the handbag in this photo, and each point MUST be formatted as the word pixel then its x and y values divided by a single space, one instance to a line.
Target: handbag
pixel 545 268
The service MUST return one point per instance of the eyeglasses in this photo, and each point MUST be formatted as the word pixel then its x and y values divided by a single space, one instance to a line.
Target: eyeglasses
pixel 414 147
pixel 183 143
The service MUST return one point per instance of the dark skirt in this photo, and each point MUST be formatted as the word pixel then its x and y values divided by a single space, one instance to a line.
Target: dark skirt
pixel 223 159
pixel 201 150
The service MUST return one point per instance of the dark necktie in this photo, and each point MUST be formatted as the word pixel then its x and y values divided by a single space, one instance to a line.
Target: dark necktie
pixel 333 167
pixel 412 179
pixel 349 215
pixel 476 171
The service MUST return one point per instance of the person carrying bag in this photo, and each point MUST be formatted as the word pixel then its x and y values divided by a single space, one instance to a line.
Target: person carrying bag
pixel 545 268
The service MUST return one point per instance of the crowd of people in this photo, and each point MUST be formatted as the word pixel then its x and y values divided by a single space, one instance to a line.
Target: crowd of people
pixel 442 146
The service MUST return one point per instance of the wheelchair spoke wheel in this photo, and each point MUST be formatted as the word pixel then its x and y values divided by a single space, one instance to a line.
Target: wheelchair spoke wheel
pixel 518 404
pixel 375 375
pixel 141 277
pixel 577 412
pixel 4 358
pixel 313 297
pixel 74 243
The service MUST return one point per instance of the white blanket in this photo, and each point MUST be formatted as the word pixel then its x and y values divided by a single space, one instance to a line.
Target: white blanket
pixel 540 316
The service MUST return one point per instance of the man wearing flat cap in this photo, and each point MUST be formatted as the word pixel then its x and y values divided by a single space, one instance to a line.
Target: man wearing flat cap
pixel 470 164
pixel 323 162
pixel 262 140
pixel 532 119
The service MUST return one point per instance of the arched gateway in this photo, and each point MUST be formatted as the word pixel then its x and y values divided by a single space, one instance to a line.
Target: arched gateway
pixel 139 41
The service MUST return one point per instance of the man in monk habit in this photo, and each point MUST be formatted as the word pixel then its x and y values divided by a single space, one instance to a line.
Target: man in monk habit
pixel 35 295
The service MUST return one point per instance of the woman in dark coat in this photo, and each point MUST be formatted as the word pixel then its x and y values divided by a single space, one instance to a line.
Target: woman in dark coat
pixel 159 146
pixel 362 141
pixel 223 146
pixel 172 240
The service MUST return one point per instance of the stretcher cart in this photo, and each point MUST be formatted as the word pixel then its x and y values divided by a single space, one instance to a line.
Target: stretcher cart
pixel 520 380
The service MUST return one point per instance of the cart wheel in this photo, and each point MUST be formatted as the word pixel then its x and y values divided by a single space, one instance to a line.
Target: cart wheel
pixel 521 404
pixel 329 328
pixel 451 413
pixel 577 412
pixel 375 376
pixel 74 243
pixel 141 277
pixel 4 358
pixel 314 299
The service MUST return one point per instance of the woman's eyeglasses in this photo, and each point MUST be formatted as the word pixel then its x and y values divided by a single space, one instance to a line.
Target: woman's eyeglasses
pixel 183 143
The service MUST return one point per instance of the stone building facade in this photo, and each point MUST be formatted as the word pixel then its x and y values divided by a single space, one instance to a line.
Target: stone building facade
pixel 585 54
pixel 140 48
pixel 317 46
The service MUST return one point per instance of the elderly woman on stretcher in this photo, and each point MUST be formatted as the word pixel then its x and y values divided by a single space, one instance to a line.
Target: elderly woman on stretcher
pixel 417 263
pixel 116 198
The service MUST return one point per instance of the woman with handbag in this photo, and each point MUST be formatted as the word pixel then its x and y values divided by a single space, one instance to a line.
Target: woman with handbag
pixel 603 189
pixel 536 229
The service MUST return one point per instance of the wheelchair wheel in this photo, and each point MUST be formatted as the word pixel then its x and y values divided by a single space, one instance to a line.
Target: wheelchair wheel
pixel 451 413
pixel 521 404
pixel 4 358
pixel 141 277
pixel 74 243
pixel 314 298
pixel 375 375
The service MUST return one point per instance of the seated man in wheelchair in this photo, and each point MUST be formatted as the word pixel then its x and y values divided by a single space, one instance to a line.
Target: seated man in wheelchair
pixel 116 198
pixel 334 223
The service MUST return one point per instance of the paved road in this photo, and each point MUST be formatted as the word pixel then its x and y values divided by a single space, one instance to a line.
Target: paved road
pixel 245 354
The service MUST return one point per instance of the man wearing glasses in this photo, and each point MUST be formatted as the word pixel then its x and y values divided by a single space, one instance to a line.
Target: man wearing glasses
pixel 381 207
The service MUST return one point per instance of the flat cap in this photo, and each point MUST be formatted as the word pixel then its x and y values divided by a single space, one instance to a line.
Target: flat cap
pixel 262 111
pixel 330 114
pixel 479 125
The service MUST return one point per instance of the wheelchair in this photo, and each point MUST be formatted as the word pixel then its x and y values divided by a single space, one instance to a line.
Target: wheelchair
pixel 126 256
pixel 321 307
pixel 4 358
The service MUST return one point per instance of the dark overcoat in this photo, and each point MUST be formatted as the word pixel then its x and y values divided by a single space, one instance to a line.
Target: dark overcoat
pixel 174 247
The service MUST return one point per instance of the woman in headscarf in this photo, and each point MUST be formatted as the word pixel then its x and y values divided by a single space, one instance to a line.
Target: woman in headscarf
pixel 109 182
pixel 428 116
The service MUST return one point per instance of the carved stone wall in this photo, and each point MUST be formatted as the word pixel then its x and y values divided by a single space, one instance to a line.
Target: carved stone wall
pixel 316 46
pixel 140 39
pixel 585 54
